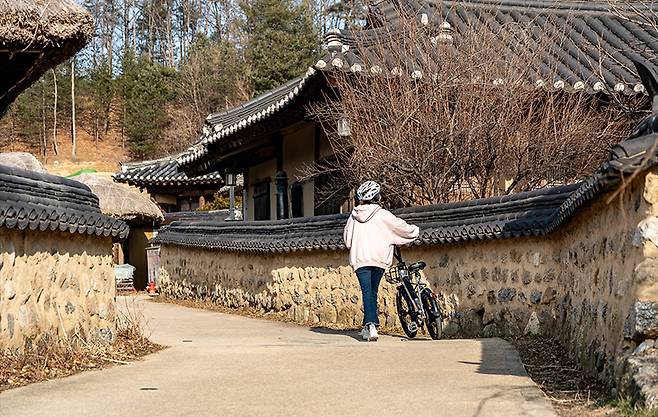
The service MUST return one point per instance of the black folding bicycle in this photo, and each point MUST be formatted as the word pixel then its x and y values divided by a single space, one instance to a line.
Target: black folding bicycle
pixel 416 303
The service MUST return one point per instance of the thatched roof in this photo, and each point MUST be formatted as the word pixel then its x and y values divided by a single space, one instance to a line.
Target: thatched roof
pixel 121 201
pixel 36 35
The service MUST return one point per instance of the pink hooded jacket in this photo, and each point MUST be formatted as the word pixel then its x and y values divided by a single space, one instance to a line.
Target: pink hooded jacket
pixel 372 232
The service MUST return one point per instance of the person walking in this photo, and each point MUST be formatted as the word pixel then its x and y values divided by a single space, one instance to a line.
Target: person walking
pixel 371 234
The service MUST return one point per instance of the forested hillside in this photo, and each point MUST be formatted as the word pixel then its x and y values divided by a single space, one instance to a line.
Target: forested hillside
pixel 156 68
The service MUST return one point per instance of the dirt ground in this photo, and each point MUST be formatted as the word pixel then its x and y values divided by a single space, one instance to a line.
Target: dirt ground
pixel 572 392
pixel 104 155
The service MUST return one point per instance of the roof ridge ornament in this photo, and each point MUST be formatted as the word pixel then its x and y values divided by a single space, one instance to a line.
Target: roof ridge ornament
pixel 649 78
pixel 333 41
pixel 445 33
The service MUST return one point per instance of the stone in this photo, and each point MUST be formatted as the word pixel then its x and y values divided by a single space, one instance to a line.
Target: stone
pixel 69 308
pixel 646 345
pixel 451 329
pixel 106 334
pixel 510 328
pixel 526 278
pixel 327 314
pixel 535 258
pixel 640 379
pixel 10 293
pixel 533 327
pixel 642 320
pixel 535 297
pixel 549 295
pixel 10 325
pixel 470 323
pixel 646 272
pixel 490 316
pixel 506 295
pixel 491 297
pixel 103 311
pixel 650 192
pixel 484 274
pixel 491 330
pixel 470 291
pixel 647 230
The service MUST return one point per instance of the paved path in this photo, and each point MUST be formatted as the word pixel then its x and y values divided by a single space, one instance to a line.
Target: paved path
pixel 223 365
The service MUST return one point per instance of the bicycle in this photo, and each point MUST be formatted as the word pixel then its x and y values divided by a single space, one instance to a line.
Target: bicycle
pixel 416 303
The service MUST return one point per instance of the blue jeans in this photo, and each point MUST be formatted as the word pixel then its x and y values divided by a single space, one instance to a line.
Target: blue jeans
pixel 369 278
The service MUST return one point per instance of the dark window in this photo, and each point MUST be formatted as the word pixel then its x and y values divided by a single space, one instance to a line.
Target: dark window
pixel 330 193
pixel 297 200
pixel 262 201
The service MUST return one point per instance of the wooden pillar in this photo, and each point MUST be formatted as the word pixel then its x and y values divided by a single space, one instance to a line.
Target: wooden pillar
pixel 281 180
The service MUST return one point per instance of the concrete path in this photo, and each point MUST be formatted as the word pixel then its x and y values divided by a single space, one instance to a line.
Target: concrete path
pixel 223 365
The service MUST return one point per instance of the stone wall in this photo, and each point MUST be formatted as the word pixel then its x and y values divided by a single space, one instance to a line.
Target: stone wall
pixel 55 286
pixel 590 284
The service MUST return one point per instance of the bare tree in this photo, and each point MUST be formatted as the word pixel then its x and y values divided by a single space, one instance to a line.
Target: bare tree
pixel 55 147
pixel 73 133
pixel 444 122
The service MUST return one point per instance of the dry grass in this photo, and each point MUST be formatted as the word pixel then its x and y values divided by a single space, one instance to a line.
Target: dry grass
pixel 49 360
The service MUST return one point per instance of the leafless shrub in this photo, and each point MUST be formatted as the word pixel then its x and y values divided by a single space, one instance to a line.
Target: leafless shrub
pixel 47 358
pixel 463 120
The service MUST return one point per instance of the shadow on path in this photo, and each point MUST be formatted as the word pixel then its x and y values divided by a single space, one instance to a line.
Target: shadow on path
pixel 354 334
pixel 498 358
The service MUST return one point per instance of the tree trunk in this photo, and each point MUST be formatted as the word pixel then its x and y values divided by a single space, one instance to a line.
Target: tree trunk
pixel 123 123
pixel 55 147
pixel 74 139
pixel 44 133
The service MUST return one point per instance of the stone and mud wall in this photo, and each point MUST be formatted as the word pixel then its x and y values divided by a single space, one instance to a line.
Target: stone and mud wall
pixel 55 286
pixel 593 284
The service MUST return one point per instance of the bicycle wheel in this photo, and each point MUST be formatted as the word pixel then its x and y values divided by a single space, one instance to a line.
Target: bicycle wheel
pixel 434 320
pixel 435 327
pixel 406 314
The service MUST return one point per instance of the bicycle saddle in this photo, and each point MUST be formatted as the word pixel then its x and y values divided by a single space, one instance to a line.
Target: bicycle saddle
pixel 420 265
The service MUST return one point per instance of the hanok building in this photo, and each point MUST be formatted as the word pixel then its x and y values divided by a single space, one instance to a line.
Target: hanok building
pixel 272 140
pixel 170 187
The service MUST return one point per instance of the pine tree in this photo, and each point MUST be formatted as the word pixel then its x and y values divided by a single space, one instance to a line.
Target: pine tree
pixel 146 88
pixel 281 42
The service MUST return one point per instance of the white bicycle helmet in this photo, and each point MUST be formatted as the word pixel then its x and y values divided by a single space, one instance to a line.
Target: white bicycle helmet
pixel 368 191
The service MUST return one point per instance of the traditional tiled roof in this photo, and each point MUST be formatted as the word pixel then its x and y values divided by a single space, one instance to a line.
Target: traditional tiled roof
pixel 595 56
pixel 162 172
pixel 227 123
pixel 592 50
pixel 218 215
pixel 39 201
pixel 534 213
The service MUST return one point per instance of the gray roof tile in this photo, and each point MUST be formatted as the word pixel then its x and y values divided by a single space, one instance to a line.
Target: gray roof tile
pixel 534 213
pixel 39 201
pixel 586 24
pixel 162 172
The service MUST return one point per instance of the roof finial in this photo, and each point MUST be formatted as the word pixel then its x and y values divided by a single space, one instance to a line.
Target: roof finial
pixel 445 33
pixel 649 79
pixel 333 41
